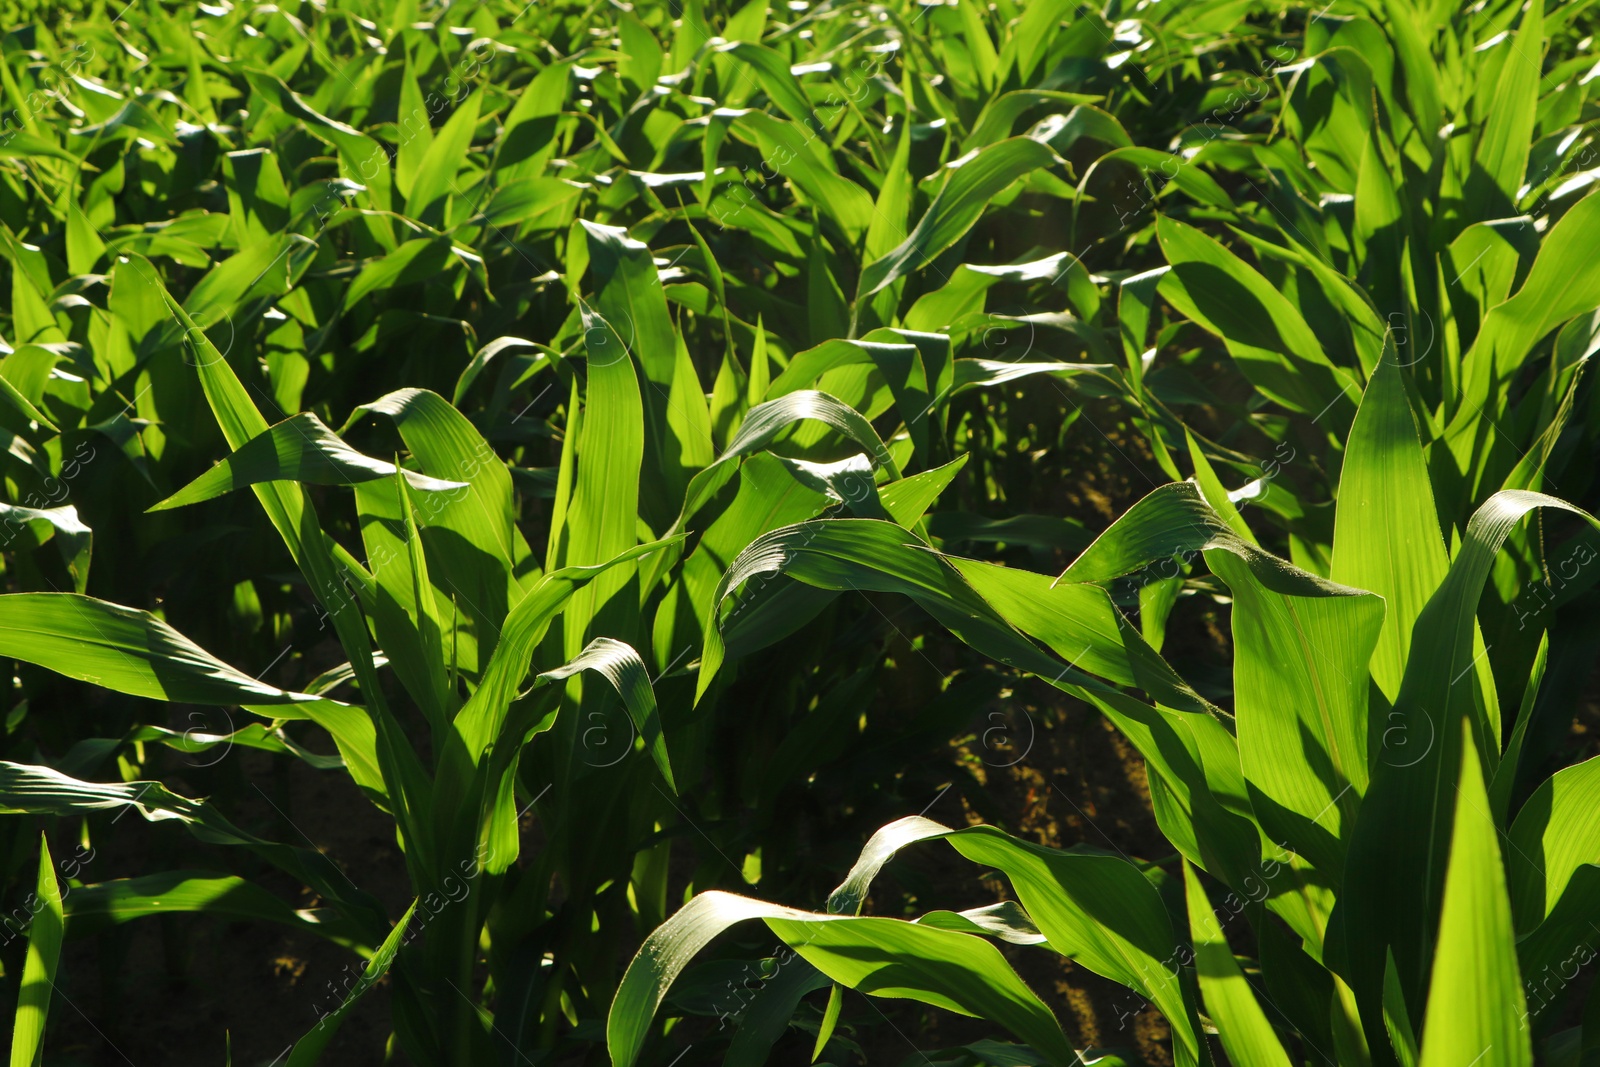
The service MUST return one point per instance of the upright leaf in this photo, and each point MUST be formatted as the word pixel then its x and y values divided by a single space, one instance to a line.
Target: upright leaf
pixel 1476 1010
pixel 39 968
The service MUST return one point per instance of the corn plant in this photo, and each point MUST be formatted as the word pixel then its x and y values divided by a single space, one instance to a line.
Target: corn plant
pixel 1424 177
pixel 1354 808
pixel 587 361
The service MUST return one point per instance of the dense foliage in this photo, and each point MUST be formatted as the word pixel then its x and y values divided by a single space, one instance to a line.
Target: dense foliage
pixel 631 455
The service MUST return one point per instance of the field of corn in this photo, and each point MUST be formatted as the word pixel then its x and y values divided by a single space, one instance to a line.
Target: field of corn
pixel 959 533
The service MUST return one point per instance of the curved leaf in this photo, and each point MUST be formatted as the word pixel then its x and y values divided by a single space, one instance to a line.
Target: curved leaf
pixel 973 181
pixel 299 449
pixel 620 665
pixel 882 957
pixel 123 649
pixel 1266 336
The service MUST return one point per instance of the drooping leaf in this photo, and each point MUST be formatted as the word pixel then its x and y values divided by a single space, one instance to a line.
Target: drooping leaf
pixel 971 185
pixel 620 665
pixel 1267 337
pixel 883 957
pixel 123 649
pixel 299 449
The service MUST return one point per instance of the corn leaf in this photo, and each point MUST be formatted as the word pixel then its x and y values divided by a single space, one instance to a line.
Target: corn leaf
pixel 39 968
pixel 1394 880
pixel 1476 1010
pixel 968 187
pixel 308 1050
pixel 620 665
pixel 1266 336
pixel 1386 531
pixel 123 649
pixel 299 449
pixel 883 957
pixel 1246 1034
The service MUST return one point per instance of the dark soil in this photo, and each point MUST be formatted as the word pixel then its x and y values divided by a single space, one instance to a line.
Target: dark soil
pixel 182 989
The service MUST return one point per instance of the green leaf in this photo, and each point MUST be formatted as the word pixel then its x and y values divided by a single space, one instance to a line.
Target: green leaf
pixel 604 512
pixel 1386 532
pixel 1564 282
pixel 1001 113
pixel 794 152
pixel 28 789
pixel 1505 776
pixel 765 1019
pixel 1502 150
pixel 546 203
pixel 630 318
pixel 480 559
pixel 72 537
pixel 1396 862
pixel 481 359
pixel 1422 88
pixel 868 555
pixel 1476 1010
pixel 480 719
pixel 22 145
pixel 909 499
pixel 299 449
pixel 361 159
pixel 1266 336
pixel 261 271
pixel 642 65
pixel 92 909
pixel 1167 521
pixel 435 178
pixel 1006 920
pixel 972 182
pixel 772 71
pixel 258 199
pixel 956 971
pixel 39 968
pixel 1554 835
pixel 982 373
pixel 830 1019
pixel 309 1048
pixel 123 649
pixel 629 300
pixel 620 665
pixel 416 129
pixel 84 247
pixel 761 426
pixel 13 396
pixel 419 259
pixel 1095 908
pixel 1081 625
pixel 882 957
pixel 1179 171
pixel 1300 700
pixel 1242 1025
pixel 1396 1019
